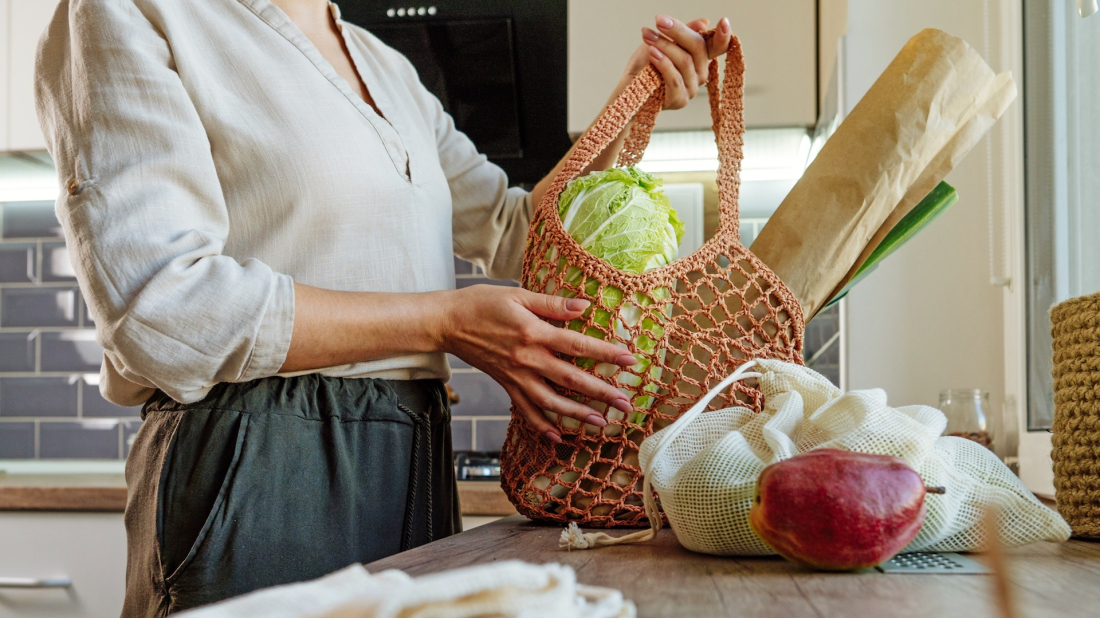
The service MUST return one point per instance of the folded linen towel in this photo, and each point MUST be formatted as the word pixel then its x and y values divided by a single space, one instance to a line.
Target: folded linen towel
pixel 510 589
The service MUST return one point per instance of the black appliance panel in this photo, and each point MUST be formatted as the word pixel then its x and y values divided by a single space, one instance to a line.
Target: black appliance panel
pixel 524 133
pixel 468 65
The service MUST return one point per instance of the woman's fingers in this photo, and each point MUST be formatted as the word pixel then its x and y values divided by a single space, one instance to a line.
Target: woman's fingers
pixel 720 42
pixel 676 94
pixel 575 344
pixel 699 25
pixel 533 415
pixel 570 377
pixel 682 61
pixel 540 394
pixel 690 42
pixel 552 307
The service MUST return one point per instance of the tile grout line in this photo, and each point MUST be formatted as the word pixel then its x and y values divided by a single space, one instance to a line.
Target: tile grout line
pixel 69 419
pixel 40 285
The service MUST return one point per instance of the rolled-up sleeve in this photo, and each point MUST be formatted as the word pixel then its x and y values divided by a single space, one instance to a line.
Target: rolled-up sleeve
pixel 144 214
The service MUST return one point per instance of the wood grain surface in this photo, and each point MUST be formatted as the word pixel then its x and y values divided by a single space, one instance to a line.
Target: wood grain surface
pixel 107 492
pixel 1048 580
pixel 62 492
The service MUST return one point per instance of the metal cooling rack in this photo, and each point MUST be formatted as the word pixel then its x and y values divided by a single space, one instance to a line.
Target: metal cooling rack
pixel 933 564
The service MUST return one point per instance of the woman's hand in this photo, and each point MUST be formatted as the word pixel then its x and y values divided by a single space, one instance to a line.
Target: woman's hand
pixel 498 330
pixel 679 53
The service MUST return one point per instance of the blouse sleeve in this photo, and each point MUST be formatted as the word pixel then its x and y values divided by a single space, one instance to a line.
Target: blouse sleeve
pixel 144 214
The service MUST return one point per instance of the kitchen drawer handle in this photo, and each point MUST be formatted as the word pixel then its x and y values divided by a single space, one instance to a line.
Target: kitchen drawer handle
pixel 30 582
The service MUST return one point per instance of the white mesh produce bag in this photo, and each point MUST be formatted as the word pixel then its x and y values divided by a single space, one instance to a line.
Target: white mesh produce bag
pixel 704 466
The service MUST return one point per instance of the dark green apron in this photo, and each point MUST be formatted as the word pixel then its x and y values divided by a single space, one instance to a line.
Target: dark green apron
pixel 282 480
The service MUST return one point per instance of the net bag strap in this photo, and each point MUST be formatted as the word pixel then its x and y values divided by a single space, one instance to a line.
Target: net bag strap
pixel 642 101
pixel 573 538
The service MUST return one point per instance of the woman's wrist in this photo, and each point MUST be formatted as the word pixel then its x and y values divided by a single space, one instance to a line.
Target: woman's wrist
pixel 437 324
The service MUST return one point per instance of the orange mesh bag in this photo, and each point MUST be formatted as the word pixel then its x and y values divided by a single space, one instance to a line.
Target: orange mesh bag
pixel 699 318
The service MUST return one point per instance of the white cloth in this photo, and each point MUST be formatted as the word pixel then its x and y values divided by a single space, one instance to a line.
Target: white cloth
pixel 705 466
pixel 209 156
pixel 509 589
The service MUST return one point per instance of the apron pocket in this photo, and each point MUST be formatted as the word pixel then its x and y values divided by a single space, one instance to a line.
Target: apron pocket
pixel 199 467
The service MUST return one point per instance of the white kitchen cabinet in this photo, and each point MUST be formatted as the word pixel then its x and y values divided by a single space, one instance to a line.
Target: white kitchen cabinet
pixel 5 47
pixel 87 548
pixel 778 38
pixel 27 21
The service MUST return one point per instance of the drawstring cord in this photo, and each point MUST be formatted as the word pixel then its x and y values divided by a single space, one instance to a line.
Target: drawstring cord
pixel 422 431
pixel 573 538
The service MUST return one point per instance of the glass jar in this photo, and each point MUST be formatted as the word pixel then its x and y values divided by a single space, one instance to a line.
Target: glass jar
pixel 965 409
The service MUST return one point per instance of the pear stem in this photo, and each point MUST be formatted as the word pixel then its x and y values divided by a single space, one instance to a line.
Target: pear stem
pixel 935 490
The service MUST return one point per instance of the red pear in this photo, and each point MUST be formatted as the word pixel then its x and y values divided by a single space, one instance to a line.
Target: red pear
pixel 837 510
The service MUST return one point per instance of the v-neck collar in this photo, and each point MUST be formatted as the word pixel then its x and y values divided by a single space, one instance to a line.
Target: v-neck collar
pixel 274 17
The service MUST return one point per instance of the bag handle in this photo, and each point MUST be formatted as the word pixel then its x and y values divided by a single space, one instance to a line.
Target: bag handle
pixel 642 100
pixel 573 538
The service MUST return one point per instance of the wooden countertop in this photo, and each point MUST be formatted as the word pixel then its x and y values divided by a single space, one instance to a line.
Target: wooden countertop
pixel 1049 579
pixel 62 492
pixel 107 492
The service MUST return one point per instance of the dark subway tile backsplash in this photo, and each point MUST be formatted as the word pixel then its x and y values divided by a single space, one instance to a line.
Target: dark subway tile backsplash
pixel 71 350
pixel 18 262
pixel 465 282
pixel 462 267
pixel 462 434
pixel 479 395
pixel 129 432
pixel 38 306
pixel 30 220
pixel 95 406
pixel 55 262
pixel 50 406
pixel 96 439
pixel 17 352
pixel 16 440
pixel 490 433
pixel 38 397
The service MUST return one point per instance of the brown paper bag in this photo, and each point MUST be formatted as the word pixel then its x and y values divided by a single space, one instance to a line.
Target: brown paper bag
pixel 919 119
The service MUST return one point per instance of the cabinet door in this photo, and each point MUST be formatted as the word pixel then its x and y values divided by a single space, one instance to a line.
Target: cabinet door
pixel 27 22
pixel 88 548
pixel 778 39
pixel 5 34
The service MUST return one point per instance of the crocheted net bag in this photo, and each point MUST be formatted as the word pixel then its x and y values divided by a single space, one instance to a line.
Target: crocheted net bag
pixel 690 323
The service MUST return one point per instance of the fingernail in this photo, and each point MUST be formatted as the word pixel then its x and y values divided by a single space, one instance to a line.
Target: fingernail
pixel 626 360
pixel 552 436
pixel 622 405
pixel 656 53
pixel 664 21
pixel 650 36
pixel 724 25
pixel 576 304
pixel 596 419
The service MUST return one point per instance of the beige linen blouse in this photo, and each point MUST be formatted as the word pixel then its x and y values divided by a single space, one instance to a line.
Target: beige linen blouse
pixel 210 156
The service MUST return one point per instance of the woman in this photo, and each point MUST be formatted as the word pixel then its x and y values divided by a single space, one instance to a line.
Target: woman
pixel 262 203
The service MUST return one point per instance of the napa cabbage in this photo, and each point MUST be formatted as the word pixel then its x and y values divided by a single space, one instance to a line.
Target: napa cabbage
pixel 621 216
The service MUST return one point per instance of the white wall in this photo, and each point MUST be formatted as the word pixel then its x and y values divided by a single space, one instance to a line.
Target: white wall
pixel 928 318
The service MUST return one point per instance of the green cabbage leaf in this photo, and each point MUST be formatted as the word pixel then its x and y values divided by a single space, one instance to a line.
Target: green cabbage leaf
pixel 621 216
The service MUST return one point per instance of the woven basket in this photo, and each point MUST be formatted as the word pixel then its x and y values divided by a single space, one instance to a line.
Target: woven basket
pixel 1075 326
pixel 706 314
